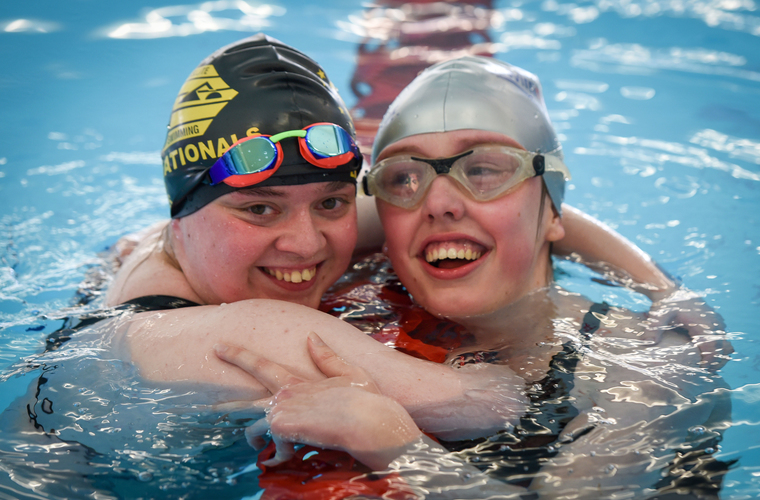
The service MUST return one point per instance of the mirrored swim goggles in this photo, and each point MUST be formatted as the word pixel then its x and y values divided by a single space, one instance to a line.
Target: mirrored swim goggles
pixel 256 158
pixel 485 173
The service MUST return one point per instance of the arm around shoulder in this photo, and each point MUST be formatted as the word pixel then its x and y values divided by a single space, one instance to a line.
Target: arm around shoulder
pixel 596 242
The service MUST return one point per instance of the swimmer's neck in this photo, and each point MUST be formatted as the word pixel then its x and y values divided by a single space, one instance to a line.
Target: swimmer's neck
pixel 519 325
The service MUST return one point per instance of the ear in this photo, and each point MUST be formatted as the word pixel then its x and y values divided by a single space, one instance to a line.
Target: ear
pixel 175 228
pixel 554 229
pixel 174 239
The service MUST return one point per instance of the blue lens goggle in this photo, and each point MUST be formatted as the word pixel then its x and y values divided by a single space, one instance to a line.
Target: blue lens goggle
pixel 254 159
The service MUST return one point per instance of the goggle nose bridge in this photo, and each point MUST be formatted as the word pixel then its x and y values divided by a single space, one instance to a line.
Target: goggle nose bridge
pixel 442 165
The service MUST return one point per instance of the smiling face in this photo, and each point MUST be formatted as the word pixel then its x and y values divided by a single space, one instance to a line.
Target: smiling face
pixel 459 257
pixel 287 243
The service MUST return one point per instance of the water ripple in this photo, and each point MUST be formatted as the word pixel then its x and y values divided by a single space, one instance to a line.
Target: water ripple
pixel 29 26
pixel 184 20
pixel 659 152
pixel 633 56
pixel 735 147
pixel 734 15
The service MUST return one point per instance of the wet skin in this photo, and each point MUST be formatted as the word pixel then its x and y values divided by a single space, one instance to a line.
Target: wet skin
pixel 288 243
pixel 508 244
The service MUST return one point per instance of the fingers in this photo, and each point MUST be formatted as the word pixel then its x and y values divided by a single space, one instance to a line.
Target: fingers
pixel 255 433
pixel 244 409
pixel 284 451
pixel 270 374
pixel 325 358
pixel 715 353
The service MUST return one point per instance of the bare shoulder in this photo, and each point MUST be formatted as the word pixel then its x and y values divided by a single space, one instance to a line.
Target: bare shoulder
pixel 146 270
pixel 128 243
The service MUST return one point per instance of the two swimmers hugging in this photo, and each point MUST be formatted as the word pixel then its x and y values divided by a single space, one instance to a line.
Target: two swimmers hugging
pixel 468 180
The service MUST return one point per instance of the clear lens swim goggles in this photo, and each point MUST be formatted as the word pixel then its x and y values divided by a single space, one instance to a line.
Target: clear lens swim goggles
pixel 256 158
pixel 485 173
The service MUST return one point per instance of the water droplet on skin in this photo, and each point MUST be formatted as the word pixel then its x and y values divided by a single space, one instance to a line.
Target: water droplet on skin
pixel 697 430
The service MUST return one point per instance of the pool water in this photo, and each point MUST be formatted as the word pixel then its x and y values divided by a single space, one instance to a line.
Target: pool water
pixel 657 104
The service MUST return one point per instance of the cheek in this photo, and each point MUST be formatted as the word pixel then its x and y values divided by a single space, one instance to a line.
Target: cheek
pixel 234 245
pixel 399 227
pixel 516 239
pixel 341 237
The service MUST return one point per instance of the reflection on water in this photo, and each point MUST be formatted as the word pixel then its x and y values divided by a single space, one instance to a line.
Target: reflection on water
pixel 185 20
pixel 657 106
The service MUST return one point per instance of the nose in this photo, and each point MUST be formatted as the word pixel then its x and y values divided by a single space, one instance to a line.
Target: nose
pixel 444 200
pixel 301 235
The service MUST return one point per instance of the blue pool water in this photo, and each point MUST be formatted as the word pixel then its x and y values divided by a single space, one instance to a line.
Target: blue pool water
pixel 657 104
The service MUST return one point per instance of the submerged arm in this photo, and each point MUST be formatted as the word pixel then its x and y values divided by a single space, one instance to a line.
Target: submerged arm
pixel 639 404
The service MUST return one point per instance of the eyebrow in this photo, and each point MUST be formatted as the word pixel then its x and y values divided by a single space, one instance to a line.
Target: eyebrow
pixel 261 191
pixel 278 191
pixel 336 186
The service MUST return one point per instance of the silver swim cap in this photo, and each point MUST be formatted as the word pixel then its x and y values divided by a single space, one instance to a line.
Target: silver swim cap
pixel 478 93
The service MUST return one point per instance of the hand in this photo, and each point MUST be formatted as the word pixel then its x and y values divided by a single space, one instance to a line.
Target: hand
pixel 344 411
pixel 688 312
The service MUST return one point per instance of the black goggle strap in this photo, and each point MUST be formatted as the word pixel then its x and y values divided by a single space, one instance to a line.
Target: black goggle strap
pixel 539 164
pixel 442 165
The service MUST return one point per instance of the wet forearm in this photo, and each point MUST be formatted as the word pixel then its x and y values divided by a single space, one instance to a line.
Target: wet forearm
pixel 596 242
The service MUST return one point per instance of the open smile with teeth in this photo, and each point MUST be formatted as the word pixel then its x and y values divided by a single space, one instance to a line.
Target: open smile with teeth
pixel 292 276
pixel 452 253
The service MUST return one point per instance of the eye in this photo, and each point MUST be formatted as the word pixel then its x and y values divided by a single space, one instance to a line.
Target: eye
pixel 486 174
pixel 481 171
pixel 332 203
pixel 402 179
pixel 261 209
pixel 406 180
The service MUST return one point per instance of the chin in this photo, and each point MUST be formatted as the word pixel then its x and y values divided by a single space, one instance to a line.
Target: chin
pixel 455 308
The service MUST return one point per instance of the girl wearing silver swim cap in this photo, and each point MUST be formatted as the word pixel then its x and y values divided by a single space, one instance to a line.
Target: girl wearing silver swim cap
pixel 464 161
pixel 468 177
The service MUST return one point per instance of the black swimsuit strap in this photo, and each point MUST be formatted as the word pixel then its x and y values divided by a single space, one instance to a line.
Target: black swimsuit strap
pixel 157 303
pixel 141 304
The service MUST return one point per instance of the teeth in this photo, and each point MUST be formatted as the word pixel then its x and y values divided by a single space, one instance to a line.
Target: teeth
pixel 452 253
pixel 293 276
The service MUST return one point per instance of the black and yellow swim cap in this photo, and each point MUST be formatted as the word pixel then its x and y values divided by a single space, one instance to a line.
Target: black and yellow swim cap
pixel 258 85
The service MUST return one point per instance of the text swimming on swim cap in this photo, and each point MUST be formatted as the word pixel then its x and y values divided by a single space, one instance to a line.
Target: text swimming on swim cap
pixel 203 95
pixel 201 150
